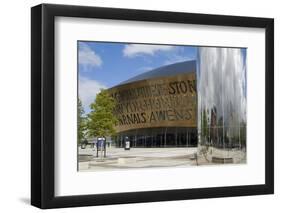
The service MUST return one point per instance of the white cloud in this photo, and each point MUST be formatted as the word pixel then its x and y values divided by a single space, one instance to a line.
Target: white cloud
pixel 88 90
pixel 88 57
pixel 133 50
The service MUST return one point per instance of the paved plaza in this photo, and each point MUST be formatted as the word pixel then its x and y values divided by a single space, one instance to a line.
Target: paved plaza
pixel 118 158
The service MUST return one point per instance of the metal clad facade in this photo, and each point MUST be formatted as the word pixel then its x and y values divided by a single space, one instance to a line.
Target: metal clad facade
pixel 157 102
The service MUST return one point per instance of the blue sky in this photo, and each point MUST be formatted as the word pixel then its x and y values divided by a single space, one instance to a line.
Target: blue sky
pixel 105 64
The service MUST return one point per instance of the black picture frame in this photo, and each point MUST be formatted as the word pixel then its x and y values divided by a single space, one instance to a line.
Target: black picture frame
pixel 43 105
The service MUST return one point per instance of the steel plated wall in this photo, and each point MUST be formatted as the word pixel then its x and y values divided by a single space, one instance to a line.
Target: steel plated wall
pixel 157 112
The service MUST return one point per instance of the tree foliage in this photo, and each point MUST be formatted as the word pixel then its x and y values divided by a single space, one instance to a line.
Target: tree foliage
pixel 81 122
pixel 101 119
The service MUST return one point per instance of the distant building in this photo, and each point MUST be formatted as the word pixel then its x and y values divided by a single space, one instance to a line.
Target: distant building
pixel 158 108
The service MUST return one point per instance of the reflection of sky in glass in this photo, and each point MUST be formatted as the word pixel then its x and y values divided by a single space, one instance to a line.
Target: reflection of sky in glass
pixel 221 82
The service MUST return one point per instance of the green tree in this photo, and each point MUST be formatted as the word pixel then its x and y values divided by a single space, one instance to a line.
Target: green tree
pixel 81 121
pixel 101 119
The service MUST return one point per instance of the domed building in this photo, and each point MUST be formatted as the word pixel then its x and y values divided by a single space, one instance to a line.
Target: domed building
pixel 158 108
